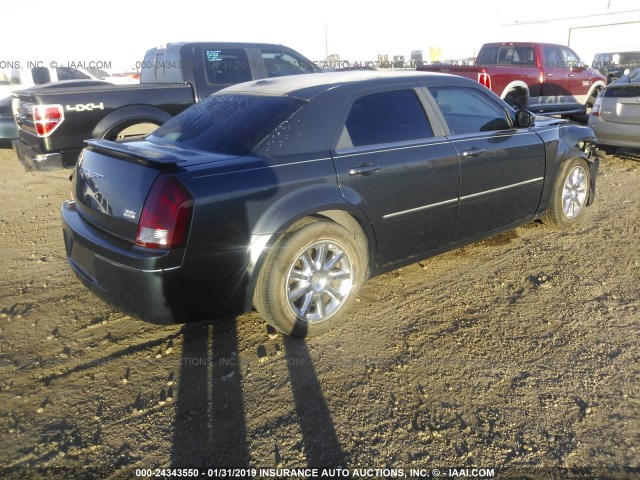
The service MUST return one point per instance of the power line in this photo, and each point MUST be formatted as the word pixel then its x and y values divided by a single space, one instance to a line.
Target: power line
pixel 596 15
pixel 598 26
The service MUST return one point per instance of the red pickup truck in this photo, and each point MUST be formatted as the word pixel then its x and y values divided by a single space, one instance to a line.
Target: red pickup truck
pixel 541 77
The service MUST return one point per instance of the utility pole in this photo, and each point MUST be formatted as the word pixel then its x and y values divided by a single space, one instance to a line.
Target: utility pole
pixel 326 40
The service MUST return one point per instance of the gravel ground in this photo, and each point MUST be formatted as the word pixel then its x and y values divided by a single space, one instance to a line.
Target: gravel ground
pixel 518 354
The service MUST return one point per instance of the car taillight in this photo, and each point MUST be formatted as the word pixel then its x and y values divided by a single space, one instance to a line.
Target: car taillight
pixel 595 110
pixel 484 79
pixel 166 215
pixel 47 118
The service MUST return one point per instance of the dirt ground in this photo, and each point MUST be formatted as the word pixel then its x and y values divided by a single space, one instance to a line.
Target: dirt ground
pixel 519 354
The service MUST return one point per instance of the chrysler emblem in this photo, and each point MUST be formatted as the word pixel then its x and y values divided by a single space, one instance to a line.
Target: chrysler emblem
pixel 91 174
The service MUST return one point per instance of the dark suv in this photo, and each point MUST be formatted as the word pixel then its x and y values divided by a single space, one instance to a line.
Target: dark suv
pixel 615 64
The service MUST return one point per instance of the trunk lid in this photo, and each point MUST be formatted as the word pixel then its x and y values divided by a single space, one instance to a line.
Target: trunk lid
pixel 621 104
pixel 112 181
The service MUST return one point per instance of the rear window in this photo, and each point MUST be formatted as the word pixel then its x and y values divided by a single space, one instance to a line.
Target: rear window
pixel 623 91
pixel 506 55
pixel 231 124
pixel 66 73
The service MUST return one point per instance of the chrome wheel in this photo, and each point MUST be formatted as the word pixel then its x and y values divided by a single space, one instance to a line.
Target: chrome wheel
pixel 574 192
pixel 319 281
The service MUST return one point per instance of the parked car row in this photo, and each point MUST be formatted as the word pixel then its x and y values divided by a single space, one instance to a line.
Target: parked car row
pixel 551 79
pixel 541 77
pixel 289 188
pixel 55 122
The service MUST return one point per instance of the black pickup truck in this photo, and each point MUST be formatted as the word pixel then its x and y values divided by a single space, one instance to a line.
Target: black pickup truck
pixel 54 122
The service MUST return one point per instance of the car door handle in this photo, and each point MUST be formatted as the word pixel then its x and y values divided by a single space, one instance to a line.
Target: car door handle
pixel 548 74
pixel 474 152
pixel 366 169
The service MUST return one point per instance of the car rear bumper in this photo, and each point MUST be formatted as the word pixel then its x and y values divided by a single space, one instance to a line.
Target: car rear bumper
pixel 614 133
pixel 34 160
pixel 8 128
pixel 158 286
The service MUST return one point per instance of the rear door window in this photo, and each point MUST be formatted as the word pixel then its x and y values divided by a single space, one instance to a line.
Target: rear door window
pixel 385 117
pixel 226 66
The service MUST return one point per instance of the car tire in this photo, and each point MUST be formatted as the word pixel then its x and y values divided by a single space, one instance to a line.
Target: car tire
pixel 516 99
pixel 311 277
pixel 583 118
pixel 570 195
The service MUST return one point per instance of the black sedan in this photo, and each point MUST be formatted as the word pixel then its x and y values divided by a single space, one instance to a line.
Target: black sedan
pixel 287 193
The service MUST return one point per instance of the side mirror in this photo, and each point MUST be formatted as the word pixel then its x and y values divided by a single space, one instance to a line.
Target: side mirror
pixel 578 68
pixel 525 119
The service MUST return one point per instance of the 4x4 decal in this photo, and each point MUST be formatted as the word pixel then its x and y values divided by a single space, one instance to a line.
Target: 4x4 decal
pixel 87 107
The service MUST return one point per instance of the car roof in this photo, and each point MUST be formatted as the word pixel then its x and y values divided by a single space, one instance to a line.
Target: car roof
pixel 307 86
pixel 522 44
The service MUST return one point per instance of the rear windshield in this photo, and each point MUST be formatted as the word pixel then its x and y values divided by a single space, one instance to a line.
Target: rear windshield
pixel 506 55
pixel 232 124
pixel 623 91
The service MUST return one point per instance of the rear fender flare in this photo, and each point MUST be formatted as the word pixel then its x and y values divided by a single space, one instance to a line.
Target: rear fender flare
pixel 599 86
pixel 515 86
pixel 313 201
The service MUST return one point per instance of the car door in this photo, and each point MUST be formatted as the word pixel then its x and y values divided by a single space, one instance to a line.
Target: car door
pixel 553 90
pixel 501 168
pixel 401 174
pixel 579 79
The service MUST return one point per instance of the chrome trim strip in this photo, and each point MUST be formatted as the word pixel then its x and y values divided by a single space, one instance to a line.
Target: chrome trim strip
pixel 453 200
pixel 382 150
pixel 506 187
pixel 133 269
pixel 471 138
pixel 411 210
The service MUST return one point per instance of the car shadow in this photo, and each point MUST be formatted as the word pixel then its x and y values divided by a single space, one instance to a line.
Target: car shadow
pixel 210 427
pixel 321 445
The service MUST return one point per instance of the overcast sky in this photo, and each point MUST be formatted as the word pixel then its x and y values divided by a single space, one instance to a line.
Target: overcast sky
pixel 120 31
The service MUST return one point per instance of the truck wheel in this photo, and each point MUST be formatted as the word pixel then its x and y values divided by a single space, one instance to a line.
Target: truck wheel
pixel 517 99
pixel 570 195
pixel 138 130
pixel 583 118
pixel 310 278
